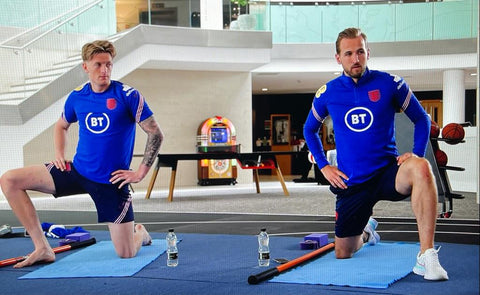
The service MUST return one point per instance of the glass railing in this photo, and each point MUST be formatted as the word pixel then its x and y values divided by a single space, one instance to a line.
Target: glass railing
pixel 54 38
pixel 27 56
pixel 384 21
pixel 300 21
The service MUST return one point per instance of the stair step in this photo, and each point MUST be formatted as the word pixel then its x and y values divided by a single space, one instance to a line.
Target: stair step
pixel 13 102
pixel 40 79
pixel 75 57
pixel 63 67
pixel 69 62
pixel 28 86
pixel 20 92
pixel 15 97
pixel 52 71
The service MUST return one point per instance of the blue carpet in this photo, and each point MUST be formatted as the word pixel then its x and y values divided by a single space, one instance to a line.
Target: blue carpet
pixel 376 267
pixel 217 264
pixel 99 260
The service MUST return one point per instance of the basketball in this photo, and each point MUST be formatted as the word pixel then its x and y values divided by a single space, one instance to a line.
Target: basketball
pixel 453 133
pixel 434 130
pixel 441 158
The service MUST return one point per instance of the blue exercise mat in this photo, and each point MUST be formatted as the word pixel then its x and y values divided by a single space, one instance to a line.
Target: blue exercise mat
pixel 99 260
pixel 376 266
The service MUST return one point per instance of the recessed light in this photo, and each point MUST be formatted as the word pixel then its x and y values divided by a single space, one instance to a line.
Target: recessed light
pixel 264 89
pixel 473 74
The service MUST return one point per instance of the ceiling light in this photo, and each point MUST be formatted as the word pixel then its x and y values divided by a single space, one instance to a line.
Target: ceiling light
pixel 264 89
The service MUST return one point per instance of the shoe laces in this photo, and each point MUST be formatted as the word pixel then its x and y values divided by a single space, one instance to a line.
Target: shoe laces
pixel 434 256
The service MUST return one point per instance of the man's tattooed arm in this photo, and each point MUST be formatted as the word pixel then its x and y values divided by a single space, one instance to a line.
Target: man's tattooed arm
pixel 154 140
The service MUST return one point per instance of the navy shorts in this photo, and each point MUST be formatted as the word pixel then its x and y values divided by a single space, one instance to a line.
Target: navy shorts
pixel 354 205
pixel 113 204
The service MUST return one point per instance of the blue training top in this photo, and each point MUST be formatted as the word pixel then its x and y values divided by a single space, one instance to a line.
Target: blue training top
pixel 107 123
pixel 363 116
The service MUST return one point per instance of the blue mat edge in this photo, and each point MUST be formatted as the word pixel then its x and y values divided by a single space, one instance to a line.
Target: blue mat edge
pixel 33 275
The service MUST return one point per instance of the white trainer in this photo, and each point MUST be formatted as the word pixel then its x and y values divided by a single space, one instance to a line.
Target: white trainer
pixel 429 266
pixel 373 236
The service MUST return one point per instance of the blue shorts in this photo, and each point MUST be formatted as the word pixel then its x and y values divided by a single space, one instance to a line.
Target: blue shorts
pixel 113 204
pixel 354 205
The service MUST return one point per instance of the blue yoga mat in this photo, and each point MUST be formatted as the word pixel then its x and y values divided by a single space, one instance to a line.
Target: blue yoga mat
pixel 376 266
pixel 99 260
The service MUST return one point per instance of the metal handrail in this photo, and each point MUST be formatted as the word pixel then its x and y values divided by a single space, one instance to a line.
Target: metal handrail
pixel 80 11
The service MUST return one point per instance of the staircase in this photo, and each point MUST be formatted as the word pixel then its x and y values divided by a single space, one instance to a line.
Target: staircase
pixel 44 61
pixel 22 91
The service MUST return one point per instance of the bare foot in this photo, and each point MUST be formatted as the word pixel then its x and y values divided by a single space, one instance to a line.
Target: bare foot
pixel 37 256
pixel 147 240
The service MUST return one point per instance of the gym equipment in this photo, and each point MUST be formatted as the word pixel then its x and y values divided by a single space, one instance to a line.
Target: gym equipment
pixel 453 133
pixel 270 273
pixel 6 232
pixel 56 250
pixel 434 129
pixel 441 157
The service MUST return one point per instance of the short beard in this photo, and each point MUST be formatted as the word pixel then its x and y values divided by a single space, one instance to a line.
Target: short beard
pixel 357 75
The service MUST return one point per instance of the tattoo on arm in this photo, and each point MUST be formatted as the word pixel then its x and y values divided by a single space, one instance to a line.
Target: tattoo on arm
pixel 154 140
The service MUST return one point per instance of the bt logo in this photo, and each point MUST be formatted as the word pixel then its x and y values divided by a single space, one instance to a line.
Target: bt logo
pixel 97 123
pixel 359 119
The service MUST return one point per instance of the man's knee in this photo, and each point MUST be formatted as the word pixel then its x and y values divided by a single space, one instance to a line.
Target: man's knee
pixel 420 169
pixel 346 247
pixel 342 253
pixel 126 254
pixel 423 170
pixel 125 251
pixel 7 181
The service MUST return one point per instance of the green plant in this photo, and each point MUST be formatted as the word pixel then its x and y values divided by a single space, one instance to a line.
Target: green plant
pixel 240 2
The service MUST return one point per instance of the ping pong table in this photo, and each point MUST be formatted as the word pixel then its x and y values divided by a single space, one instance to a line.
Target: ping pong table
pixel 253 161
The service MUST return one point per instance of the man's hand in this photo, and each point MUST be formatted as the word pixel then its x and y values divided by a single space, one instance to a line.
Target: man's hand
pixel 334 176
pixel 61 163
pixel 402 158
pixel 125 177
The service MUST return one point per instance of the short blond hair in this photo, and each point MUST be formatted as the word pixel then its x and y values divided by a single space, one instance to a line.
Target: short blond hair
pixel 100 46
pixel 349 33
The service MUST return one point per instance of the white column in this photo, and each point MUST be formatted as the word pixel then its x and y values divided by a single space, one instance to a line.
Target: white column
pixel 211 14
pixel 453 96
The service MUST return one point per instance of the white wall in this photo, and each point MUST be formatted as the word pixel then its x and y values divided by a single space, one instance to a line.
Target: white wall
pixel 463 155
pixel 181 101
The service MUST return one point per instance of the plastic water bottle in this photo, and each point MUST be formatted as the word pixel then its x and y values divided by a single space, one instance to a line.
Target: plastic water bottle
pixel 263 248
pixel 172 250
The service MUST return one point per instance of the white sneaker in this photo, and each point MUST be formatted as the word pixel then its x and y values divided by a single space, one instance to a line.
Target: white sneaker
pixel 373 236
pixel 429 266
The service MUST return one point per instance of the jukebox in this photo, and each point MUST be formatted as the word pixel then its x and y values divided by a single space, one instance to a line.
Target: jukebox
pixel 216 134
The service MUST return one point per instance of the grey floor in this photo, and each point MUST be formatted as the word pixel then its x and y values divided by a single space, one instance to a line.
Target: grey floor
pixel 238 209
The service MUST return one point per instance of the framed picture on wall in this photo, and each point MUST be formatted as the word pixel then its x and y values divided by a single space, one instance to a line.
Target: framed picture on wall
pixel 280 130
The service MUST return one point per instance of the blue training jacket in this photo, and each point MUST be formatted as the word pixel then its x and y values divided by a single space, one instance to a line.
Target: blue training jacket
pixel 107 123
pixel 363 116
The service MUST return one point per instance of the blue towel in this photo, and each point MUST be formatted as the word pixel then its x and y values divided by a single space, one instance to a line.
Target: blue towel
pixel 376 266
pixel 99 260
pixel 52 230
